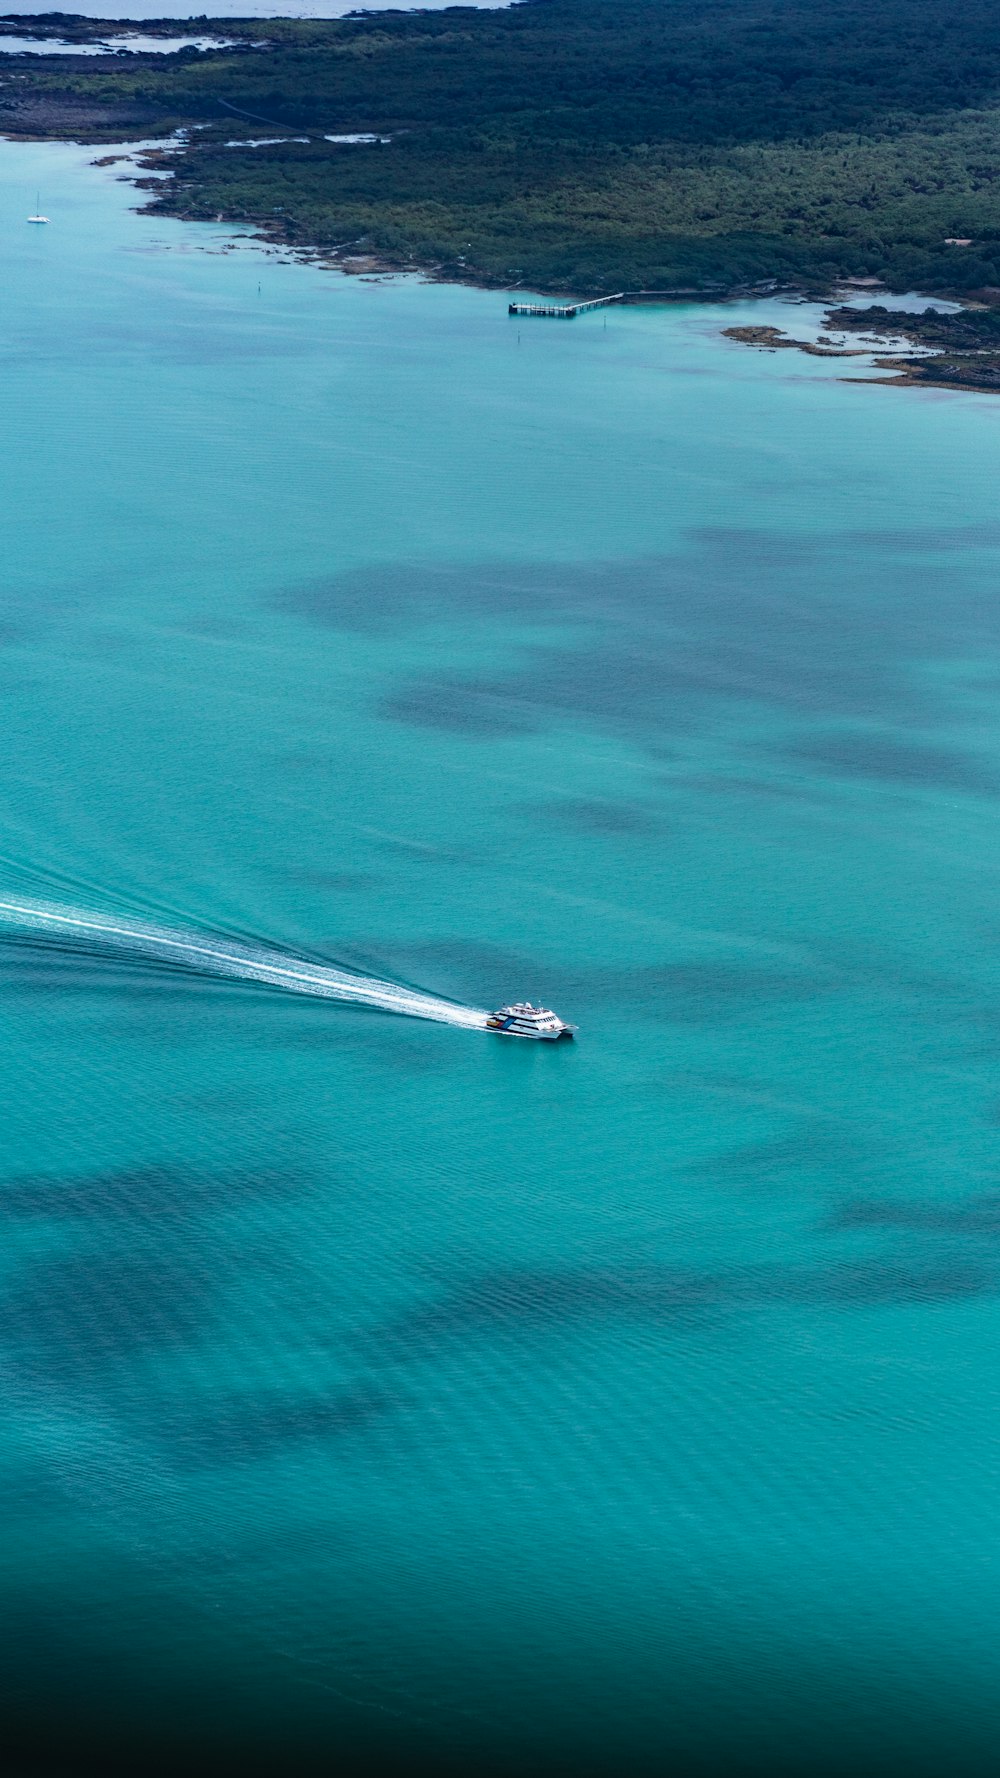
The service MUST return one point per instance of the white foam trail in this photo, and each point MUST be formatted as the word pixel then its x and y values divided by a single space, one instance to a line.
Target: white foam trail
pixel 228 957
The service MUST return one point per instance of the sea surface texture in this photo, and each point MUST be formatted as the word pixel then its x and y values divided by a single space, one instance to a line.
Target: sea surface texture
pixel 381 1395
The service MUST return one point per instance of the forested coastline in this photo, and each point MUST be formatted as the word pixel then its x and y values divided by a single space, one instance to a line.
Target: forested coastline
pixel 582 145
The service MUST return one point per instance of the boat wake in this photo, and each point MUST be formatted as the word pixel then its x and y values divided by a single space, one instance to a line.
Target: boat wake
pixel 230 958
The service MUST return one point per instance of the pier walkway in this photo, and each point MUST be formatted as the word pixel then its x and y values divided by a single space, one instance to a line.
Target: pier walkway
pixel 565 311
pixel 701 293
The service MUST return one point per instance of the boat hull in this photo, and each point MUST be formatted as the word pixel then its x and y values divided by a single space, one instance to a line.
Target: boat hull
pixel 533 1036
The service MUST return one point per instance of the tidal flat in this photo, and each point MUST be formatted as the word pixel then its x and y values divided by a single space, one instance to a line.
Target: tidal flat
pixel 959 346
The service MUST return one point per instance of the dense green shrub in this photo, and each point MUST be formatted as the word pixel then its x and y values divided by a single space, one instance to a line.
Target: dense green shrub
pixel 593 144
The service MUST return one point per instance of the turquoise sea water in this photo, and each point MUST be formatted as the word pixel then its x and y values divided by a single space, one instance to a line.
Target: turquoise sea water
pixel 378 1394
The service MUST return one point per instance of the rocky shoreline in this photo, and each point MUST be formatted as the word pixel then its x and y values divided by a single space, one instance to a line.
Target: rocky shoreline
pixel 175 120
pixel 976 368
pixel 960 351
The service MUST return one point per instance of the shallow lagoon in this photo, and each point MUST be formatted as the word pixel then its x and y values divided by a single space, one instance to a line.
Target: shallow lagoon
pixel 375 1390
pixel 132 43
pixel 233 9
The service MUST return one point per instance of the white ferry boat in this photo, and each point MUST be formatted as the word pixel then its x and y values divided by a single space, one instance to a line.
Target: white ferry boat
pixel 524 1020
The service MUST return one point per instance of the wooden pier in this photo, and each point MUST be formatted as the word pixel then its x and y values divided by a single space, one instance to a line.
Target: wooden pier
pixel 699 293
pixel 564 311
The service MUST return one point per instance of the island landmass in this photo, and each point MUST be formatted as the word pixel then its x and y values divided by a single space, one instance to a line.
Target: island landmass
pixel 709 147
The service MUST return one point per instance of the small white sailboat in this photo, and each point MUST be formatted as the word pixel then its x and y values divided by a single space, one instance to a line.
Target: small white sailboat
pixel 38 217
